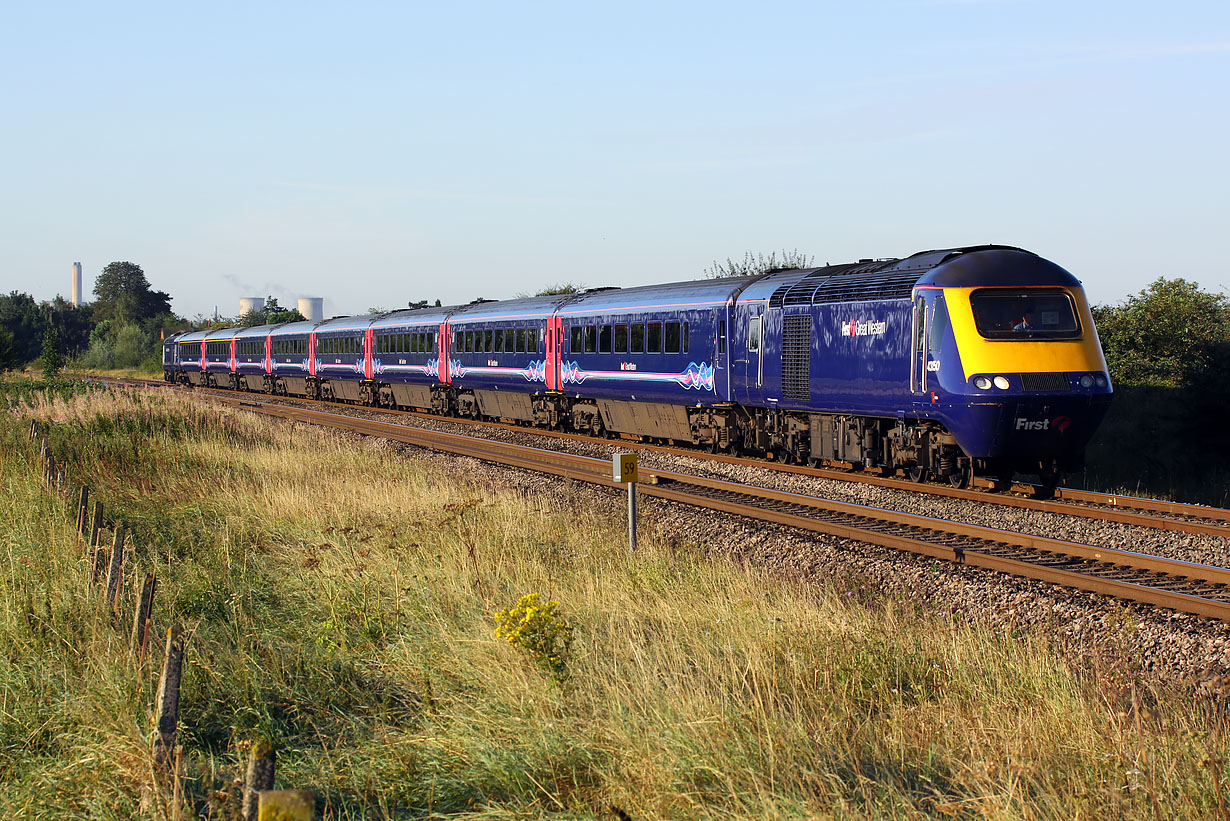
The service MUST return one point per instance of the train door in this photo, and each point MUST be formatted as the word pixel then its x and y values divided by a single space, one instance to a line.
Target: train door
pixel 312 354
pixel 930 318
pixel 204 360
pixel 555 341
pixel 233 362
pixel 443 366
pixel 268 354
pixel 747 353
pixel 369 337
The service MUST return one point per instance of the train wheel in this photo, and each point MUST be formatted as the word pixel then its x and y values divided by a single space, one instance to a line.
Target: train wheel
pixel 917 473
pixel 963 477
pixel 1049 480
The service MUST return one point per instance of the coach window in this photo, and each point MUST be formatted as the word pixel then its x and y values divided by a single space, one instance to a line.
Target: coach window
pixel 574 339
pixel 654 341
pixel 638 338
pixel 591 339
pixel 604 339
pixel 498 341
pixel 519 334
pixel 686 334
pixel 753 335
pixel 672 337
pixel 621 339
pixel 531 340
pixel 722 336
pixel 488 340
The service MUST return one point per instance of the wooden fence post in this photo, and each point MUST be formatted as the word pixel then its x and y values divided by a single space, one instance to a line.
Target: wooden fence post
pixel 287 805
pixel 141 618
pixel 98 514
pixel 117 569
pixel 168 695
pixel 83 510
pixel 261 764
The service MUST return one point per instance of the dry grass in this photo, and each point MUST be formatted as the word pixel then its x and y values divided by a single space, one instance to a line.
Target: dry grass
pixel 343 595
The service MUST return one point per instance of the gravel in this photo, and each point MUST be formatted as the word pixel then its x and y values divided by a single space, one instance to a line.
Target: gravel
pixel 1169 647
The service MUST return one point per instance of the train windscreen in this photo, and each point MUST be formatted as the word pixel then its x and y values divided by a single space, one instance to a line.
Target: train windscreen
pixel 1032 314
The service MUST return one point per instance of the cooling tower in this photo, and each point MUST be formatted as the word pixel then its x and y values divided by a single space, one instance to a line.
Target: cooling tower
pixel 248 304
pixel 312 308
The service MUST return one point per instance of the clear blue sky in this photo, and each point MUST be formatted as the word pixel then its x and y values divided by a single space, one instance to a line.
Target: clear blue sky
pixel 374 153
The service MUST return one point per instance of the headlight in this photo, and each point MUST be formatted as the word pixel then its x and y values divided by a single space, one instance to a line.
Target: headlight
pixel 1001 382
pixel 982 383
pixel 1086 381
pixel 1100 380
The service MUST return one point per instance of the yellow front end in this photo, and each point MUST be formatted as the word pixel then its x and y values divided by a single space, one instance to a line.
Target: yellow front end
pixel 980 355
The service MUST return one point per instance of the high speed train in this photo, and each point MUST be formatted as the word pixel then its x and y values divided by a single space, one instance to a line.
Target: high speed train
pixel 946 364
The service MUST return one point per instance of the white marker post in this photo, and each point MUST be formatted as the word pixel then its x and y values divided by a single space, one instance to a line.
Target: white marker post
pixel 624 470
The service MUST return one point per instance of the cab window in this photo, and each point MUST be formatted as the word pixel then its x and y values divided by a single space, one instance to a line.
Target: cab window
pixel 1036 313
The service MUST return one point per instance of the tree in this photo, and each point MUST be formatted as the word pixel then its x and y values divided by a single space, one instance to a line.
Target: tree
pixel 422 303
pixel 759 264
pixel 553 290
pixel 27 322
pixel 123 293
pixel 1167 334
pixel 271 314
pixel 53 356
pixel 8 359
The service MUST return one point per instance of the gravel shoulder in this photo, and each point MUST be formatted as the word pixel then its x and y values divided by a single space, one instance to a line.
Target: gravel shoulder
pixel 1169 648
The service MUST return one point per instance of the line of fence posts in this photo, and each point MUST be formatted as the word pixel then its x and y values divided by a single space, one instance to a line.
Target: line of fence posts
pixel 260 800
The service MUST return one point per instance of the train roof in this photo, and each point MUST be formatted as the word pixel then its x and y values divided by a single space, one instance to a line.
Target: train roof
pixel 192 336
pixel 689 294
pixel 534 307
pixel 255 330
pixel 359 322
pixel 413 316
pixel 879 279
pixel 998 267
pixel 292 328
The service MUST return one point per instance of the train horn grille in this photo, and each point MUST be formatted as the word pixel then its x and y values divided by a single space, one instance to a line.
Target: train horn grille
pixel 1045 382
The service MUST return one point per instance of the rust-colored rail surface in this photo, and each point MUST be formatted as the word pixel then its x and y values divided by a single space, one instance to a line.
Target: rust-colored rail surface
pixel 1153 580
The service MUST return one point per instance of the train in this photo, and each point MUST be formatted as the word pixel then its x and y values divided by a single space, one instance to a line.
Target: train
pixel 944 365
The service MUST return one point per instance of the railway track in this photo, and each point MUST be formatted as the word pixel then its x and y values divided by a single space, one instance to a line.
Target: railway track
pixel 1177 585
pixel 1129 510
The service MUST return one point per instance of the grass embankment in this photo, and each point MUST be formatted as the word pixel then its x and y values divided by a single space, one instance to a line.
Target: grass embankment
pixel 344 597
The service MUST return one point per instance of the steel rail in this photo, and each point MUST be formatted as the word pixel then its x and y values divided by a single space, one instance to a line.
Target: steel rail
pixel 1131 510
pixel 1177 585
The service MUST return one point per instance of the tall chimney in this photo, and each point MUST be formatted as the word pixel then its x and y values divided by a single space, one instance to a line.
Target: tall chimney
pixel 76 284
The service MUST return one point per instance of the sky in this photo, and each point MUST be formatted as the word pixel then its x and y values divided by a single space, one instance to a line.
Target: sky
pixel 380 153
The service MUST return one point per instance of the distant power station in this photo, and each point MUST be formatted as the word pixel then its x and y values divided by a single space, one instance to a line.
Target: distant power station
pixel 312 308
pixel 76 284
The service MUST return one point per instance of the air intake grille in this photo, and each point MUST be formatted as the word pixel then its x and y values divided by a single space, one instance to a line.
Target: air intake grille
pixel 1045 382
pixel 796 357
pixel 871 286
